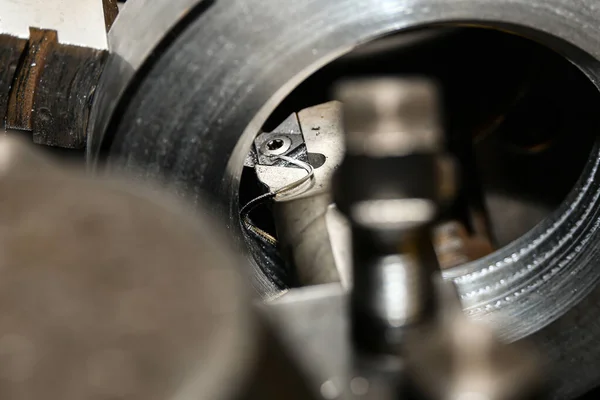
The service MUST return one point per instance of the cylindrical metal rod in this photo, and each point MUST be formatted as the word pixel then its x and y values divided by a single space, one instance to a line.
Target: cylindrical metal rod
pixel 389 186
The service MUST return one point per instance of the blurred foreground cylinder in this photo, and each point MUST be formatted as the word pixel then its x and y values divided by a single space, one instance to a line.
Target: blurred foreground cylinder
pixel 112 293
pixel 390 187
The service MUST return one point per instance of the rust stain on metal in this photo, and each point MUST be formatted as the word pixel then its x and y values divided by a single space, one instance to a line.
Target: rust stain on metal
pixel 454 246
pixel 11 51
pixel 111 10
pixel 22 94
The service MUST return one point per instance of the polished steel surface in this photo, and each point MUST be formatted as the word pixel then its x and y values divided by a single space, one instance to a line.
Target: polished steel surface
pixel 192 117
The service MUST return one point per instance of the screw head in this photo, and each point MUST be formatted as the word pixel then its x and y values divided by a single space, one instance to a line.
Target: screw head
pixel 276 146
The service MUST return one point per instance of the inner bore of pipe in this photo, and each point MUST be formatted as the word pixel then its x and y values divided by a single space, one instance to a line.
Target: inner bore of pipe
pixel 519 118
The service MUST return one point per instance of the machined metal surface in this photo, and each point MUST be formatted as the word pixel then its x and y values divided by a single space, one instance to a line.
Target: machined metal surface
pixel 322 347
pixel 453 355
pixel 131 44
pixel 382 121
pixel 304 239
pixel 338 230
pixel 389 189
pixel 542 284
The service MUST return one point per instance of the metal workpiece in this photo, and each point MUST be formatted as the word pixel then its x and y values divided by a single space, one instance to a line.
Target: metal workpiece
pixel 138 34
pixel 126 290
pixel 324 349
pixel 236 60
pixel 387 117
pixel 392 289
pixel 392 193
pixel 52 54
pixel 402 185
pixel 338 229
pixel 304 238
pixel 457 358
pixel 447 358
pixel 391 200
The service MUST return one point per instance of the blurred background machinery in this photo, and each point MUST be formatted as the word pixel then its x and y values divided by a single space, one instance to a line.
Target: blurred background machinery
pixel 232 106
